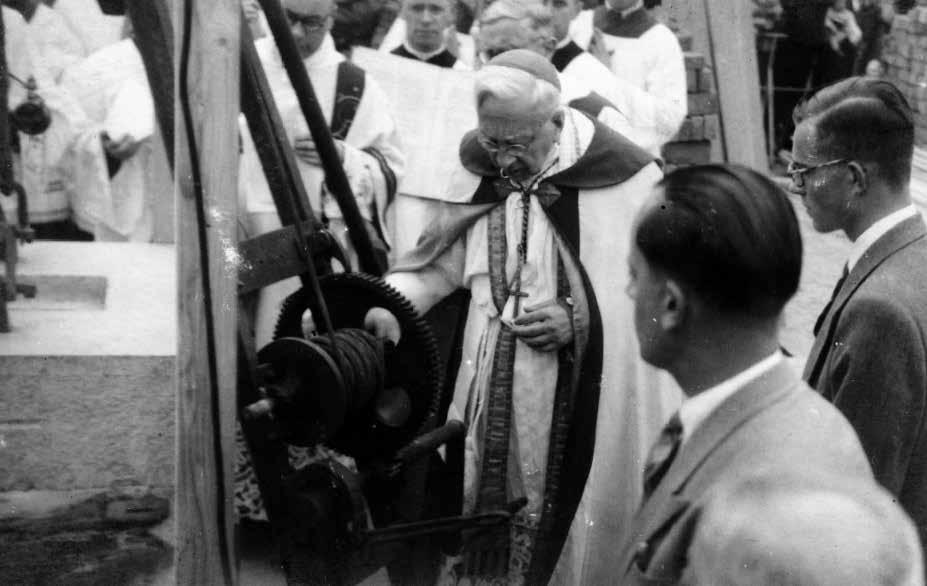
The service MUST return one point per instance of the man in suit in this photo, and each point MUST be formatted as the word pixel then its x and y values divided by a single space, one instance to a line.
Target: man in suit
pixel 716 254
pixel 852 166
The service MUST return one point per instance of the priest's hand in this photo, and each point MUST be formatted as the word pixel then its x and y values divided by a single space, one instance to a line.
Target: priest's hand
pixel 546 327
pixel 121 149
pixel 307 152
pixel 383 324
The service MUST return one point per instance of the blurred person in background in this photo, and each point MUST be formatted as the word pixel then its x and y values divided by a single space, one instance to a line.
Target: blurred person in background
pixel 427 23
pixel 801 532
pixel 647 61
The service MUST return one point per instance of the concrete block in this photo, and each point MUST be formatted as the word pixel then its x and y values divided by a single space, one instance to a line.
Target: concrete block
pixel 712 127
pixel 87 373
pixel 692 77
pixel 692 129
pixel 685 40
pixel 703 103
pixel 687 153
pixel 694 60
pixel 706 82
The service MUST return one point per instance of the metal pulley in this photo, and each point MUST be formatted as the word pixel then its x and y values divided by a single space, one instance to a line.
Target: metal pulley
pixel 346 389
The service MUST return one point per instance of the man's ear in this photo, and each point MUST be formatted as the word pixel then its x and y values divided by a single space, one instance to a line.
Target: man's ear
pixel 557 118
pixel 674 304
pixel 860 176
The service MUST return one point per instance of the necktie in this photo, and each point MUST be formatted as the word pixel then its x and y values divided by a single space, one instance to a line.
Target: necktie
pixel 833 296
pixel 662 454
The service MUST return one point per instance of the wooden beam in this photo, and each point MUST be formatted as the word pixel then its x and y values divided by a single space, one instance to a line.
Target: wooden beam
pixel 206 356
pixel 733 56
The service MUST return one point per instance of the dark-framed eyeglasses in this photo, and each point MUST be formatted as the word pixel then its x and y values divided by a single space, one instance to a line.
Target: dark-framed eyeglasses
pixel 309 22
pixel 494 146
pixel 798 172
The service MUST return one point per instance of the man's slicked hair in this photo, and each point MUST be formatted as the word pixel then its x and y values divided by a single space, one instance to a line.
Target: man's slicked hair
pixel 867 120
pixel 730 234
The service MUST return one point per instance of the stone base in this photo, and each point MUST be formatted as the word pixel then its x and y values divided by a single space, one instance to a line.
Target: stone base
pixel 87 373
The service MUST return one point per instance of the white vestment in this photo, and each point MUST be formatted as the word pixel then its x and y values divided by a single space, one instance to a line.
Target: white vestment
pixel 37 167
pixel 650 80
pixel 573 87
pixel 602 81
pixel 635 399
pixel 94 29
pixel 373 128
pixel 112 88
pixel 56 42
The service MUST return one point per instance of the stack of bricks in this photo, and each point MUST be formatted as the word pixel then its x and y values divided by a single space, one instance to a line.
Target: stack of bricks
pixel 692 144
pixel 906 56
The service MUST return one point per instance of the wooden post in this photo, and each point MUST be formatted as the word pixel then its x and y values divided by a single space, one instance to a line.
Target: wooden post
pixel 733 57
pixel 206 356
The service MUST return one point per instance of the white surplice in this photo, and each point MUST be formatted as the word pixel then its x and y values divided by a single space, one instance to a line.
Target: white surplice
pixel 650 77
pixel 37 167
pixel 373 127
pixel 112 88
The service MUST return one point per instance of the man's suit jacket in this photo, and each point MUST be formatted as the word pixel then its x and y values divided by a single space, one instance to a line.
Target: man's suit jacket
pixel 870 359
pixel 776 425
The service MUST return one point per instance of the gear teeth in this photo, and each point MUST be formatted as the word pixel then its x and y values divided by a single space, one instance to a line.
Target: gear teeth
pixel 370 292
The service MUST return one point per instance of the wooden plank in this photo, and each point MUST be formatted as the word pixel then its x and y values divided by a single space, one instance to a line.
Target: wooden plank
pixel 733 58
pixel 206 365
pixel 153 31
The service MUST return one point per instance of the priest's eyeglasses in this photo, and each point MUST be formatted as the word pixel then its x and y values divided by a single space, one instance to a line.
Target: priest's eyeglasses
pixel 797 171
pixel 494 146
pixel 309 22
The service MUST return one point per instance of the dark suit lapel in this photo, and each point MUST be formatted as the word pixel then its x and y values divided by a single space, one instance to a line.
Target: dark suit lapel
pixel 746 403
pixel 902 235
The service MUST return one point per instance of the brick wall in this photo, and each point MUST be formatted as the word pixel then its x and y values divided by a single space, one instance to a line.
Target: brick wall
pixel 693 143
pixel 906 56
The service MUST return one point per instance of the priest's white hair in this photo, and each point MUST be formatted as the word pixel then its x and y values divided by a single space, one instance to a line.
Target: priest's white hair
pixel 507 84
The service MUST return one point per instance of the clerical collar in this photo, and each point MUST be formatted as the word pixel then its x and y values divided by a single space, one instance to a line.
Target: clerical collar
pixel 627 11
pixel 423 56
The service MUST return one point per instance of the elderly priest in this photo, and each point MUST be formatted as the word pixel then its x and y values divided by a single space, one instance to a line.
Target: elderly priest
pixel 559 407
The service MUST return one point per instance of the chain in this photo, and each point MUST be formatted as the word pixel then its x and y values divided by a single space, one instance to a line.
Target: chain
pixel 522 248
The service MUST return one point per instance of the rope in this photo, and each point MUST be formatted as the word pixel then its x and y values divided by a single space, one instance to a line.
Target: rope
pixel 362 367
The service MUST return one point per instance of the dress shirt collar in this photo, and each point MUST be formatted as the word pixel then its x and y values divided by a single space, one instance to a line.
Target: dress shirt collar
pixel 695 410
pixel 627 11
pixel 876 231
pixel 564 41
pixel 423 56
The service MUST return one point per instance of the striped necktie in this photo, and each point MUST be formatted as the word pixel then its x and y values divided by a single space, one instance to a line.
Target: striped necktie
pixel 662 454
pixel 833 296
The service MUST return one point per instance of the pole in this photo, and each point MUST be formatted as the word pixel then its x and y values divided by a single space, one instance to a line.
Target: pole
pixel 206 164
